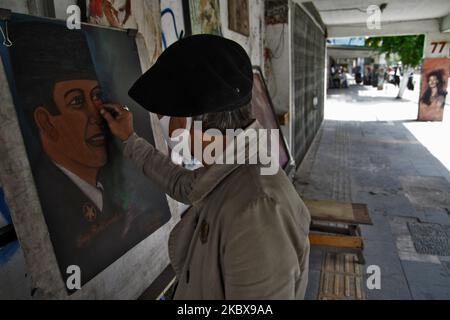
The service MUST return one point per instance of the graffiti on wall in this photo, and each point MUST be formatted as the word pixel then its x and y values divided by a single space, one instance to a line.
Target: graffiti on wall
pixel 172 22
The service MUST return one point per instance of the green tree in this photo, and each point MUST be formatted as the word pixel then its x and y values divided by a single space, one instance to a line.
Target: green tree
pixel 408 48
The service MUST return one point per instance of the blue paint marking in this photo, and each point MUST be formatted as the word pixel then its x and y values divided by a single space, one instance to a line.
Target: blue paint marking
pixel 4 211
pixel 10 249
pixel 178 35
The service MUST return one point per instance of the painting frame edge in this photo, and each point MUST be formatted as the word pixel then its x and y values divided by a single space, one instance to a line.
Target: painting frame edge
pixel 32 231
pixel 230 27
pixel 290 166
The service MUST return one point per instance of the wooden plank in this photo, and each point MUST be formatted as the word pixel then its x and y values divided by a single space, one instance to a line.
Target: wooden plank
pixel 332 229
pixel 336 241
pixel 361 213
pixel 334 211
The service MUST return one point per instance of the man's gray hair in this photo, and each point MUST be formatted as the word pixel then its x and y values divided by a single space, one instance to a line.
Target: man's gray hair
pixel 237 119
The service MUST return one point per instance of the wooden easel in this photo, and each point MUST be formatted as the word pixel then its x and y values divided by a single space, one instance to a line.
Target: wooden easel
pixel 346 238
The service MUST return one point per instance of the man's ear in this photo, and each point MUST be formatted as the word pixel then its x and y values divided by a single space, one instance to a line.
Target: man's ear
pixel 44 122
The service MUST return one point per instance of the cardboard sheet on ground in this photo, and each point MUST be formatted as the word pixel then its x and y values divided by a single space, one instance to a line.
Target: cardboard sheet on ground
pixel 97 206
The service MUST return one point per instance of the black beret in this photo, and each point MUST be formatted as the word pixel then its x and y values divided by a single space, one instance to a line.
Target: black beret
pixel 197 75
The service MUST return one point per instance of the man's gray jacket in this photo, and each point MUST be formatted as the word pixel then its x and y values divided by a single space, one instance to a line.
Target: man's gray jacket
pixel 245 235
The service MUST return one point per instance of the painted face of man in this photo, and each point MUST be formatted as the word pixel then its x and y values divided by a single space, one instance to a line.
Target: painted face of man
pixel 77 132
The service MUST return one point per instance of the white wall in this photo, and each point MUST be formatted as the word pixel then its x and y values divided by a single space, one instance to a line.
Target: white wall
pixel 252 44
pixel 168 24
pixel 277 65
pixel 277 69
pixel 431 38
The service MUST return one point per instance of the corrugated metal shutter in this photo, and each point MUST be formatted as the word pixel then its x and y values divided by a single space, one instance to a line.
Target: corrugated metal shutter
pixel 308 76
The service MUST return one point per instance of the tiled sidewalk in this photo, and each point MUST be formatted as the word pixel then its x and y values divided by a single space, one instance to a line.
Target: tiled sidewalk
pixel 400 169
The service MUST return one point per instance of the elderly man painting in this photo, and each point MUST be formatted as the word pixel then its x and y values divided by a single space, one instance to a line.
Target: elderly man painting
pixel 246 234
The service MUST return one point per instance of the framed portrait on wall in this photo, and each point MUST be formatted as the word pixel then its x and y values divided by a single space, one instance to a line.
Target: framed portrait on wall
pixel 96 205
pixel 238 16
pixel 203 16
pixel 144 16
pixel 110 13
pixel 434 89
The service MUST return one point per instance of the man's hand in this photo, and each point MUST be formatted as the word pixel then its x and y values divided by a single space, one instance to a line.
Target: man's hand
pixel 121 124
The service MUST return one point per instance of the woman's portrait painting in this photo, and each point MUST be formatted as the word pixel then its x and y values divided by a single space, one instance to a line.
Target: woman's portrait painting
pixel 434 89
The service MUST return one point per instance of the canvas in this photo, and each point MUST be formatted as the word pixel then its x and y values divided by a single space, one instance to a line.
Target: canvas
pixel 238 16
pixel 111 13
pixel 205 17
pixel 263 111
pixel 143 16
pixel 435 73
pixel 96 205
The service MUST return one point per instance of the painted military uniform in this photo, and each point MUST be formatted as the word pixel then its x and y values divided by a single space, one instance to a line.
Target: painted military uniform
pixel 82 234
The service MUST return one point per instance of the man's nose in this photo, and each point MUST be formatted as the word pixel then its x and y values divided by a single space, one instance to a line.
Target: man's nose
pixel 96 120
pixel 94 117
pixel 94 108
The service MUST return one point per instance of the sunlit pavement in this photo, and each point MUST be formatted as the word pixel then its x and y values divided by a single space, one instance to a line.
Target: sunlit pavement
pixel 372 150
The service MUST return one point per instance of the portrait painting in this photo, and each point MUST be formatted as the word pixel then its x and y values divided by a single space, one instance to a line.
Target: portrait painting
pixel 435 73
pixel 97 206
pixel 144 16
pixel 238 16
pixel 111 13
pixel 205 17
pixel 263 111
